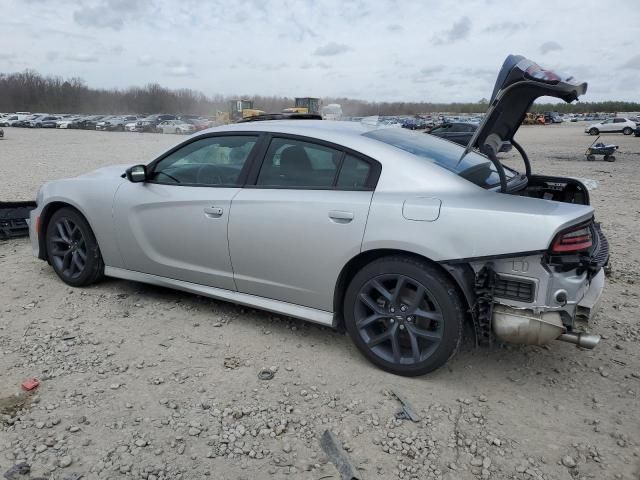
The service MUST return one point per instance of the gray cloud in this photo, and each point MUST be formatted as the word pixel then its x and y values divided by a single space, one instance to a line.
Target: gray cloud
pixel 145 60
pixel 550 46
pixel 505 27
pixel 82 57
pixel 427 74
pixel 179 69
pixel 458 31
pixel 109 13
pixel 633 63
pixel 331 48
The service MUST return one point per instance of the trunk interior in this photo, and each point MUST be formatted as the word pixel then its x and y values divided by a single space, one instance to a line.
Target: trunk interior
pixel 560 189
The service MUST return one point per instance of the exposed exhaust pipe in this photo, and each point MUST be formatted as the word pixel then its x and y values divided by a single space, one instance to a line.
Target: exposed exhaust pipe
pixel 584 340
pixel 526 327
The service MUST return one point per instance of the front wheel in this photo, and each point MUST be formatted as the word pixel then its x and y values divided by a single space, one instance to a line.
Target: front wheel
pixel 627 131
pixel 404 315
pixel 593 131
pixel 72 249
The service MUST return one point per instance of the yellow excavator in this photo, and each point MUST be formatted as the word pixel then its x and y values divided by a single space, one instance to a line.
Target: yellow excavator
pixel 304 105
pixel 241 109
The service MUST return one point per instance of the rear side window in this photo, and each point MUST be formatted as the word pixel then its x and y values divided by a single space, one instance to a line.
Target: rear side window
pixel 354 173
pixel 619 120
pixel 297 164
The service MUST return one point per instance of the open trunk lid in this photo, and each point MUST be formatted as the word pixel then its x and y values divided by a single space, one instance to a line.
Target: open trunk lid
pixel 519 83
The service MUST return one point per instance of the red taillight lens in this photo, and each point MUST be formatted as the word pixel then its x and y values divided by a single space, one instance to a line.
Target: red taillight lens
pixel 574 239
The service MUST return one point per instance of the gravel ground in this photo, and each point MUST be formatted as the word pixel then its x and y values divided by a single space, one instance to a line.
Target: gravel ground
pixel 143 382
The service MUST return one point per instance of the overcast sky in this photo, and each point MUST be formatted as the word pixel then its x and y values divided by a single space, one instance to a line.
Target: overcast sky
pixel 373 50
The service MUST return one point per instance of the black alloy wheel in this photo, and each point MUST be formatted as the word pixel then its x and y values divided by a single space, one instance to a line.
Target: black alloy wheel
pixel 72 248
pixel 404 314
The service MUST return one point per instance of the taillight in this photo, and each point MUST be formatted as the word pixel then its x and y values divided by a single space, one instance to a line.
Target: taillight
pixel 573 239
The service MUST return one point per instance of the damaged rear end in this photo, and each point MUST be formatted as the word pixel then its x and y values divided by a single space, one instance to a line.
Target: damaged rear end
pixel 538 298
pixel 552 294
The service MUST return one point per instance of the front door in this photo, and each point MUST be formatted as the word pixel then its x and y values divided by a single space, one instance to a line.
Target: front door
pixel 175 224
pixel 291 233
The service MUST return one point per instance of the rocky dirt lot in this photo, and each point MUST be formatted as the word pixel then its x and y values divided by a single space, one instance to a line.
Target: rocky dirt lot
pixel 146 383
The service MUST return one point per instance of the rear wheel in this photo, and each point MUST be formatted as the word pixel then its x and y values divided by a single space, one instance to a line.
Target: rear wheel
pixel 404 315
pixel 627 131
pixel 593 131
pixel 72 249
pixel 609 158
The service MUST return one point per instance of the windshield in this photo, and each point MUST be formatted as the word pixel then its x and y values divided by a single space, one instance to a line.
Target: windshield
pixel 473 167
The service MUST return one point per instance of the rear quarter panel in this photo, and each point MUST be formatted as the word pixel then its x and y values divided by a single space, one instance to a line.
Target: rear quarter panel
pixel 470 224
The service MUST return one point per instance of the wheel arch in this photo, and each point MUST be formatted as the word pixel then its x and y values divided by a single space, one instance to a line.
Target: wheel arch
pixel 45 217
pixel 460 273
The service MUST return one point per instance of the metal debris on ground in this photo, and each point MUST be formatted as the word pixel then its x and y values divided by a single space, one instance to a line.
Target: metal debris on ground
pixel 17 471
pixel 73 476
pixel 331 446
pixel 407 412
pixel 266 374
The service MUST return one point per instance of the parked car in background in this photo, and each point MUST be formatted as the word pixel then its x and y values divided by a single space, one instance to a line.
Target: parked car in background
pixel 150 123
pixel 199 123
pixel 414 124
pixel 115 123
pixel 637 131
pixel 89 123
pixel 459 132
pixel 176 126
pixel 8 120
pixel 67 122
pixel 612 125
pixel 48 122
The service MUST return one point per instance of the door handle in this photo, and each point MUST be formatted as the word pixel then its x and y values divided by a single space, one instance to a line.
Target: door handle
pixel 340 216
pixel 213 212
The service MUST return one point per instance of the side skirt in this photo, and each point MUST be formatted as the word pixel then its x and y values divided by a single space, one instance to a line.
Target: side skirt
pixel 276 306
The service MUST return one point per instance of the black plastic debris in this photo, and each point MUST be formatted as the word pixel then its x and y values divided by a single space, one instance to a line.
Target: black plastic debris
pixel 18 471
pixel 331 446
pixel 407 412
pixel 13 219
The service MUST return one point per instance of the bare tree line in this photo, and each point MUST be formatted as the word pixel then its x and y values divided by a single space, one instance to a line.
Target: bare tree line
pixel 31 91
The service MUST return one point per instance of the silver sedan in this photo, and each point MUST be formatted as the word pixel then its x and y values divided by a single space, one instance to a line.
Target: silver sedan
pixel 395 236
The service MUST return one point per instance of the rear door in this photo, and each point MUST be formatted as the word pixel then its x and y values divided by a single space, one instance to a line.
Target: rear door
pixel 175 225
pixel 292 231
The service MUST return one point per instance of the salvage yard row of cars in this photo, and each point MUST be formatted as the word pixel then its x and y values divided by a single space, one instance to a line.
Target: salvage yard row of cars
pixel 158 123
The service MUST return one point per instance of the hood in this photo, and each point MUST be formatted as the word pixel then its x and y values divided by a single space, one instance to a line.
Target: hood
pixel 520 82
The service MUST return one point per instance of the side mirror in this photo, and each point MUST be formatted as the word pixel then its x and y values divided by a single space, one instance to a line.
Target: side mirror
pixel 137 173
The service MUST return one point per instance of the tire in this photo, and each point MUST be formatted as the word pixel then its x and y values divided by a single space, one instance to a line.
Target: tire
pixel 594 131
pixel 413 333
pixel 609 158
pixel 591 158
pixel 627 131
pixel 68 238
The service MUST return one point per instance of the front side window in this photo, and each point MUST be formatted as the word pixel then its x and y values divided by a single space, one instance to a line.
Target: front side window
pixel 212 161
pixel 297 164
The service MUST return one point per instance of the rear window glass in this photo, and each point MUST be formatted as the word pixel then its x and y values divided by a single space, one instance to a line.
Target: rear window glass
pixel 474 167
